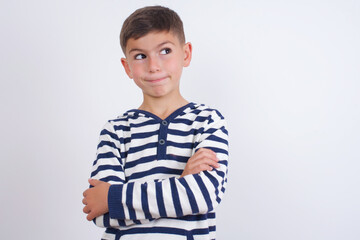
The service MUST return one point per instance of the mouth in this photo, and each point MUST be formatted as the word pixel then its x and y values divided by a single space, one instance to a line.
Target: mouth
pixel 156 80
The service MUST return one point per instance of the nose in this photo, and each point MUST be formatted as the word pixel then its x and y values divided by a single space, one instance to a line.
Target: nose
pixel 153 64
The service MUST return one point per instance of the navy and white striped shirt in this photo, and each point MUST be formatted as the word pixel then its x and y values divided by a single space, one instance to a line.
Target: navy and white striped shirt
pixel 142 157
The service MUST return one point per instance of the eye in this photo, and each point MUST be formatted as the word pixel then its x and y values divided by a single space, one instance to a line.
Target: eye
pixel 140 56
pixel 165 51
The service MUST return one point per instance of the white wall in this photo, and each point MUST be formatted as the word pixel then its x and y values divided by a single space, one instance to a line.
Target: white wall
pixel 284 73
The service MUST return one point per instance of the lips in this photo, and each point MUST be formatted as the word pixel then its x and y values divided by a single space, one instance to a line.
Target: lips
pixel 156 80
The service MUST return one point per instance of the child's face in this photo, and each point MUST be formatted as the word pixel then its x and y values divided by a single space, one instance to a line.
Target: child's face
pixel 155 62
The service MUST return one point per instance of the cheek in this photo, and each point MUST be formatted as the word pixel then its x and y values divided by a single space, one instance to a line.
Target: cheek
pixel 136 71
pixel 174 66
pixel 137 74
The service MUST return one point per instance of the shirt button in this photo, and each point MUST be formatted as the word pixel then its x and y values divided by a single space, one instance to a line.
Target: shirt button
pixel 162 141
pixel 164 122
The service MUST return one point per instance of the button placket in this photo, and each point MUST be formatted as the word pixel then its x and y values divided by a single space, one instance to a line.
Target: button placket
pixel 161 151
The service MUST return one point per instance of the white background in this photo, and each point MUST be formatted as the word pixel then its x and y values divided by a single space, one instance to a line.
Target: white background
pixel 285 74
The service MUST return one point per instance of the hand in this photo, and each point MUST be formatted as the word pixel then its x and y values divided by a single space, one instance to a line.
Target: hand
pixel 204 159
pixel 96 199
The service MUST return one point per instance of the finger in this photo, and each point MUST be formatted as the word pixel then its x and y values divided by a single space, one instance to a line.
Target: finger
pixel 206 161
pixel 208 168
pixel 212 156
pixel 90 216
pixel 206 155
pixel 94 182
pixel 84 201
pixel 199 154
pixel 212 153
pixel 203 150
pixel 213 164
pixel 85 193
pixel 203 167
pixel 206 150
pixel 86 209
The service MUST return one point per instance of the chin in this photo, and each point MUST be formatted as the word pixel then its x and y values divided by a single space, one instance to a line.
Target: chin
pixel 158 94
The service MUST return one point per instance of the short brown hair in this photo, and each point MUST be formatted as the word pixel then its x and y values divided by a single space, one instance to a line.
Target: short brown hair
pixel 149 19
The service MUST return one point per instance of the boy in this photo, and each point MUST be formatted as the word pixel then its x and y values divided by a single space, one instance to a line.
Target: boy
pixel 161 169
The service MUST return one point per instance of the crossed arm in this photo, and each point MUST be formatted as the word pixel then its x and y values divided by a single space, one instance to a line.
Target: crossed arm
pixel 198 190
pixel 96 198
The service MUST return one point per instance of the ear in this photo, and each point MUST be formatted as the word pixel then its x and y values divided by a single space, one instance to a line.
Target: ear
pixel 126 66
pixel 187 54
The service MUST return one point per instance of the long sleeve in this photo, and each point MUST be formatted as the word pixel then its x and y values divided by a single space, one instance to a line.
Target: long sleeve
pixel 108 167
pixel 176 197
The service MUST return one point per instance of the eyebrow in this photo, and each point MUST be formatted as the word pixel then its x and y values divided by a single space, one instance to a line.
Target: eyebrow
pixel 158 46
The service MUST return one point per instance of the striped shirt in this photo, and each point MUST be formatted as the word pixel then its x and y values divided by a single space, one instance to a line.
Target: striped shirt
pixel 142 157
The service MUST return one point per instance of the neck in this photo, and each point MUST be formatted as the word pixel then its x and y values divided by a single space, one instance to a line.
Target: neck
pixel 163 106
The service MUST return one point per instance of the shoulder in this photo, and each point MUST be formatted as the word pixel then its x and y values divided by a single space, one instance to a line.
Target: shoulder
pixel 121 122
pixel 211 123
pixel 204 117
pixel 125 117
pixel 207 111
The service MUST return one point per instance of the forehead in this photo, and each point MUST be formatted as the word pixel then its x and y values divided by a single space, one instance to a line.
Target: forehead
pixel 151 41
